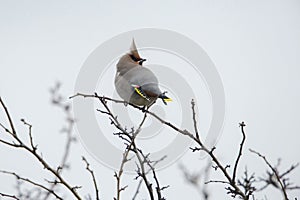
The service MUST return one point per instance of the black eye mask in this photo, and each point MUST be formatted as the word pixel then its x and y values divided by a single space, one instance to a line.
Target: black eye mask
pixel 138 60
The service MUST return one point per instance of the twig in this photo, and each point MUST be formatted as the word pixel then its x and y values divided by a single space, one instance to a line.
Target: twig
pixel 142 171
pixel 158 187
pixel 120 172
pixel 217 181
pixel 274 171
pixel 130 147
pixel 137 190
pixel 149 170
pixel 235 191
pixel 93 177
pixel 9 196
pixel 195 121
pixel 9 118
pixel 103 98
pixel 242 125
pixel 289 170
pixel 33 152
pixel 194 178
pixel 57 101
pixel 18 177
pixel 30 134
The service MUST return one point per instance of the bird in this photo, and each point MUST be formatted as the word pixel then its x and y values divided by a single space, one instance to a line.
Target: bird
pixel 135 83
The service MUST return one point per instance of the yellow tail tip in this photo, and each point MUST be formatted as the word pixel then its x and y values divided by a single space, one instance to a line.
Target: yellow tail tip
pixel 168 99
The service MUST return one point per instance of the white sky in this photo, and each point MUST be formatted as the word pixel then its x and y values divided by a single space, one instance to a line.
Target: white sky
pixel 254 45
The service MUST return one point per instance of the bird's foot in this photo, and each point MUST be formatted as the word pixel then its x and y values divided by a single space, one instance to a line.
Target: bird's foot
pixel 144 109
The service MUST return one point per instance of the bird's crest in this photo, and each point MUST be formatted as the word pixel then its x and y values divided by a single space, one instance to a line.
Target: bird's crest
pixel 133 51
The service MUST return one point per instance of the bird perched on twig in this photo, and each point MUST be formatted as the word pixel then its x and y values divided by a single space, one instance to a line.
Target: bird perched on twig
pixel 135 83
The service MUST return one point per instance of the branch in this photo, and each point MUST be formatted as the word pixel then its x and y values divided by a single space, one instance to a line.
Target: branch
pixel 120 172
pixel 57 100
pixel 130 138
pixel 149 170
pixel 130 147
pixel 149 163
pixel 198 179
pixel 289 170
pixel 242 125
pixel 274 171
pixel 9 196
pixel 34 147
pixel 217 181
pixel 93 177
pixel 141 171
pixel 18 177
pixel 32 150
pixel 103 99
pixel 137 190
pixel 195 122
pixel 13 131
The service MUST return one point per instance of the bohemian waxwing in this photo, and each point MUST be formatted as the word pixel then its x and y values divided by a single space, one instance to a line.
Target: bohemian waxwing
pixel 135 83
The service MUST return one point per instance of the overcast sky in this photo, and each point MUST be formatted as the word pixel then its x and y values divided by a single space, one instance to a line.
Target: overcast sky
pixel 254 46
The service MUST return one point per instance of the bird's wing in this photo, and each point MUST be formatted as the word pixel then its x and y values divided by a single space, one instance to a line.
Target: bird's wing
pixel 138 89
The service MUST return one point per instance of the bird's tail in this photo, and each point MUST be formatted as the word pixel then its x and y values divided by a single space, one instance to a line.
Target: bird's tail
pixel 165 99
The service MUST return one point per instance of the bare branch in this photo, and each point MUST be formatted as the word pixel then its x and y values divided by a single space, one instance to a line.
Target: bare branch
pixel 137 190
pixel 93 177
pixel 9 196
pixel 18 177
pixel 32 150
pixel 13 131
pixel 158 187
pixel 195 121
pixel 217 181
pixel 103 100
pixel 120 172
pixel 198 179
pixel 242 125
pixel 57 100
pixel 34 147
pixel 289 170
pixel 142 171
pixel 274 171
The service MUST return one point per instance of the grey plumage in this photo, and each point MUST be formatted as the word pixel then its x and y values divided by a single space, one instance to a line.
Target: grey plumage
pixel 135 83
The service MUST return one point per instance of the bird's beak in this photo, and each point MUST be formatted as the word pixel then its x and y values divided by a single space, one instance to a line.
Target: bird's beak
pixel 141 61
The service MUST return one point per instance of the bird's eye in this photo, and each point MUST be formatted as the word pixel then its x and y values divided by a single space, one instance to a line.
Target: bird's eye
pixel 134 58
